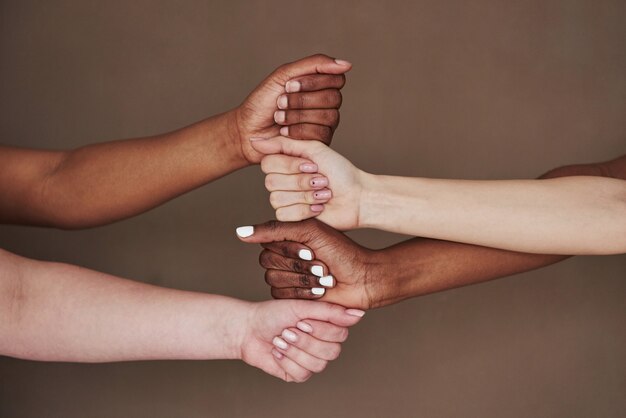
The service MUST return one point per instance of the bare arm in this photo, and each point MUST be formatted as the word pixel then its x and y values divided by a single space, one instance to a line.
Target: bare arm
pixel 102 183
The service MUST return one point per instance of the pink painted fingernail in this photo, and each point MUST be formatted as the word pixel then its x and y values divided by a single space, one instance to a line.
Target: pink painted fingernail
pixel 342 62
pixel 277 354
pixel 304 327
pixel 355 312
pixel 308 168
pixel 292 86
pixel 282 102
pixel 280 343
pixel 284 131
pixel 317 208
pixel 290 335
pixel 322 194
pixel 279 116
pixel 319 182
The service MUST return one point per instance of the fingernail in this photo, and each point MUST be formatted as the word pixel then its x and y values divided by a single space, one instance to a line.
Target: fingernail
pixel 317 270
pixel 282 102
pixel 292 86
pixel 355 312
pixel 317 208
pixel 319 182
pixel 308 168
pixel 305 255
pixel 318 291
pixel 327 281
pixel 280 343
pixel 342 62
pixel 322 194
pixel 290 335
pixel 245 231
pixel 284 131
pixel 304 327
pixel 279 116
pixel 277 354
pixel 257 138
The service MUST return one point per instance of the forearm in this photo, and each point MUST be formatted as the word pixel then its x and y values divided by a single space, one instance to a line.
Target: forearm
pixel 58 312
pixel 102 183
pixel 420 266
pixel 574 215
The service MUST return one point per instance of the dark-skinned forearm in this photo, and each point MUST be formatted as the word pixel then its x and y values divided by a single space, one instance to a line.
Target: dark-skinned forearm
pixel 445 265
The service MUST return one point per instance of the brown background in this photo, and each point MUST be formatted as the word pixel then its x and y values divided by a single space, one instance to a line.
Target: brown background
pixel 480 89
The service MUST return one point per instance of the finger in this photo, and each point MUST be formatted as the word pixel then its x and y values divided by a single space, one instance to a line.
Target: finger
pixel 295 372
pixel 308 131
pixel 292 249
pixel 307 343
pixel 314 82
pixel 298 212
pixel 327 117
pixel 295 182
pixel 323 99
pixel 323 330
pixel 298 293
pixel 306 360
pixel 287 279
pixel 319 63
pixel 275 231
pixel 287 146
pixel 281 199
pixel 284 164
pixel 272 260
pixel 328 312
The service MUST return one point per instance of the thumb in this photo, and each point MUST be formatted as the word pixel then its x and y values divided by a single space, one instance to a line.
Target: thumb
pixel 273 231
pixel 314 64
pixel 287 146
pixel 328 312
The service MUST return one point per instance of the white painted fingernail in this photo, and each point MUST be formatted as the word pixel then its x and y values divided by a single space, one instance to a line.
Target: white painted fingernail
pixel 304 327
pixel 280 343
pixel 317 270
pixel 289 335
pixel 305 255
pixel 355 312
pixel 245 231
pixel 318 291
pixel 328 281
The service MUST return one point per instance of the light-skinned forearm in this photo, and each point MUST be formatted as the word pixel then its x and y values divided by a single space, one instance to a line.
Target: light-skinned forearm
pixel 571 215
pixel 58 312
pixel 105 182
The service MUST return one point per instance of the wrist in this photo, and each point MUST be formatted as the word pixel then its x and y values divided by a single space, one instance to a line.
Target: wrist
pixel 236 328
pixel 235 137
pixel 372 194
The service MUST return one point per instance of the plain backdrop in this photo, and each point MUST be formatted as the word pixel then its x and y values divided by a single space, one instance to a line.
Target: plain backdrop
pixel 456 89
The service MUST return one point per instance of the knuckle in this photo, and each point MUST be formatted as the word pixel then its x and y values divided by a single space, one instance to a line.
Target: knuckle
pixel 275 200
pixel 273 226
pixel 334 351
pixel 308 197
pixel 265 259
pixel 269 277
pixel 324 132
pixel 282 214
pixel 300 101
pixel 303 182
pixel 270 182
pixel 343 334
pixel 319 366
pixel 303 279
pixel 297 266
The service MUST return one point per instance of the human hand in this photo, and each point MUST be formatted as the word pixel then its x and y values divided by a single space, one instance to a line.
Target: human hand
pixel 299 100
pixel 310 260
pixel 293 339
pixel 307 179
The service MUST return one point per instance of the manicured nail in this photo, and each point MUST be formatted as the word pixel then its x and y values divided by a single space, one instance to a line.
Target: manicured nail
pixel 318 291
pixel 245 231
pixel 308 168
pixel 327 281
pixel 282 102
pixel 322 194
pixel 284 131
pixel 355 312
pixel 257 138
pixel 292 86
pixel 342 62
pixel 279 116
pixel 304 327
pixel 289 335
pixel 280 343
pixel 277 354
pixel 319 182
pixel 305 255
pixel 317 270
pixel 317 208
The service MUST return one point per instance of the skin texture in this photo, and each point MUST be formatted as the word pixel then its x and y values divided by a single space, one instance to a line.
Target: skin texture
pixel 574 215
pixel 106 182
pixel 374 278
pixel 59 312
